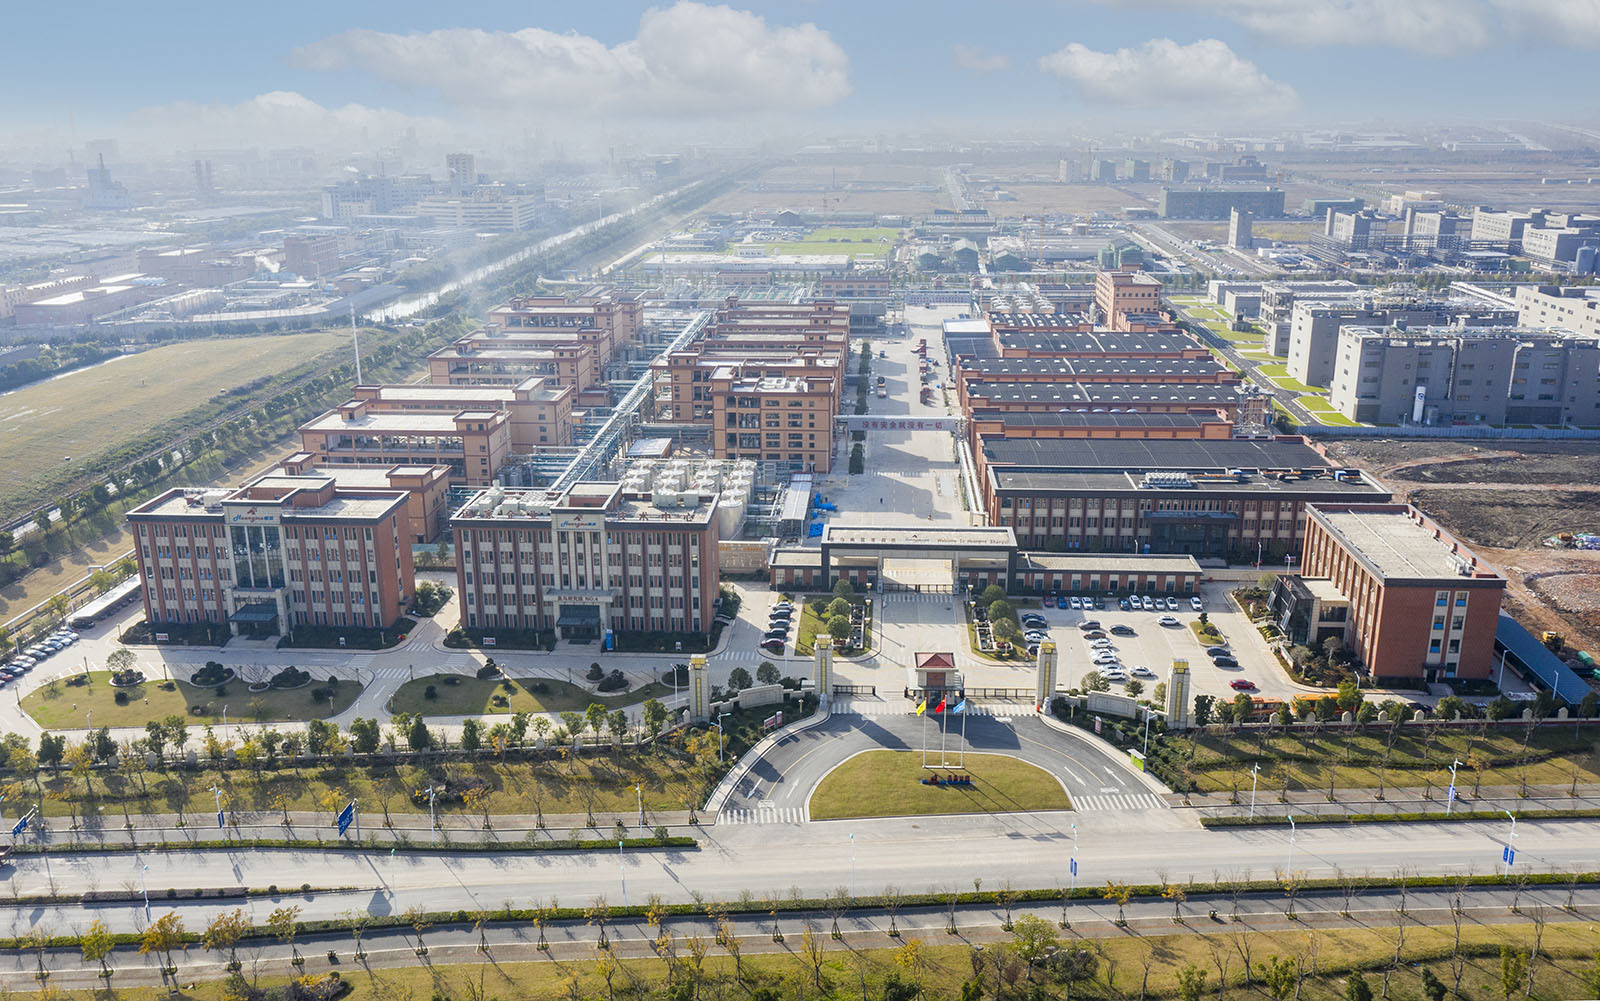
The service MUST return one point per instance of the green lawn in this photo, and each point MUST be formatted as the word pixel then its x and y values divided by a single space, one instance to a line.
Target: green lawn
pixel 888 784
pixel 62 705
pixel 811 626
pixel 1280 375
pixel 471 697
pixel 1323 411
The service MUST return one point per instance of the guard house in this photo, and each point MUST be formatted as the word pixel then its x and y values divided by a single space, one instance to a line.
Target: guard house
pixel 935 672
pixel 915 558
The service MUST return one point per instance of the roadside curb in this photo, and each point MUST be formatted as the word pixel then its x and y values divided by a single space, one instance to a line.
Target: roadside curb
pixel 724 789
pixel 1149 781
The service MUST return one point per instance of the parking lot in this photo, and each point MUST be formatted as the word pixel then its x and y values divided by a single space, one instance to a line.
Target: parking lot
pixel 1155 646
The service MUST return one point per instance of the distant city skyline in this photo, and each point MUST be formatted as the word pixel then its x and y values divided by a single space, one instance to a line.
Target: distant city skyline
pixel 363 72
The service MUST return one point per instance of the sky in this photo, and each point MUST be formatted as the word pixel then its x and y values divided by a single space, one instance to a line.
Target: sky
pixel 179 73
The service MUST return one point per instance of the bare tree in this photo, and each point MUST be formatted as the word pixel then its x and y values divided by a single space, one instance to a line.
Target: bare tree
pixel 1539 918
pixel 893 897
pixel 1242 945
pixel 1219 959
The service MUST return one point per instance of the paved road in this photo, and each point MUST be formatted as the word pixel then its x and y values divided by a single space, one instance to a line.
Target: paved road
pixel 778 786
pixel 916 853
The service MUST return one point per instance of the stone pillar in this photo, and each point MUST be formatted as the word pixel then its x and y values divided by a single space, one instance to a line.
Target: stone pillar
pixel 822 670
pixel 1044 676
pixel 1180 705
pixel 699 689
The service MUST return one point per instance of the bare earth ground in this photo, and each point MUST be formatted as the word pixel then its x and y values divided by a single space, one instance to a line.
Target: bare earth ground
pixel 1505 498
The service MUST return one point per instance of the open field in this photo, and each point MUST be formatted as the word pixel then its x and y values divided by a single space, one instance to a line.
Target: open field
pixel 566 785
pixel 86 412
pixel 471 697
pixel 1034 198
pixel 888 784
pixel 1511 519
pixel 62 705
pixel 1354 759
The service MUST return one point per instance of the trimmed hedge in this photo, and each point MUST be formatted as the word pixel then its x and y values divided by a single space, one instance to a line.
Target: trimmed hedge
pixel 1282 820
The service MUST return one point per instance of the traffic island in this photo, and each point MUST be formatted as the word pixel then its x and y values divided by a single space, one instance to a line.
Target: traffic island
pixel 892 784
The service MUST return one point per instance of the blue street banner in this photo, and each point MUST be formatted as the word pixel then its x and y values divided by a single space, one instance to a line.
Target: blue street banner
pixel 347 816
pixel 1074 867
pixel 19 827
pixel 219 820
pixel 1508 855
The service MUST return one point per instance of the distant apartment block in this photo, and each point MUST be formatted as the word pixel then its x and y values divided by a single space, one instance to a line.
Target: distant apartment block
pixel 482 211
pixel 1447 375
pixel 472 443
pixel 311 256
pixel 1217 203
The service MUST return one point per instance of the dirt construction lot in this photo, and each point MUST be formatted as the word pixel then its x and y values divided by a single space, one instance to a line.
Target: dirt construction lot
pixel 1505 499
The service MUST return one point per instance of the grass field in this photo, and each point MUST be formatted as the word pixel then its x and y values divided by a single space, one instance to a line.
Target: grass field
pixel 857 242
pixel 598 782
pixel 84 413
pixel 1280 375
pixel 1307 760
pixel 937 971
pixel 62 706
pixel 471 697
pixel 888 784
pixel 1323 411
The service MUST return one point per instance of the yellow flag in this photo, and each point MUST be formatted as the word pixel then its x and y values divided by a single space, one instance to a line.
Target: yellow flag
pixel 922 707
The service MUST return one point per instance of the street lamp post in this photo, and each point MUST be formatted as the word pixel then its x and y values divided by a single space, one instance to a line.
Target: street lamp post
pixel 1500 678
pixel 622 869
pixel 143 886
pixel 1450 797
pixel 224 722
pixel 1255 772
pixel 1073 868
pixel 720 735
pixel 1290 874
pixel 1511 841
pixel 432 825
pixel 852 865
pixel 638 793
pixel 1147 713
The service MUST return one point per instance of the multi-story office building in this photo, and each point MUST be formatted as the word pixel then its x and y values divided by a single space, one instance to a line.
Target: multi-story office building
pixel 1125 292
pixel 605 318
pixel 592 559
pixel 1574 308
pixel 427 488
pixel 1421 605
pixel 277 554
pixel 1239 230
pixel 1275 306
pixel 472 443
pixel 1558 239
pixel 1217 203
pixel 1314 328
pixel 1135 171
pixel 311 256
pixel 1492 375
pixel 484 210
pixel 785 422
pixel 1503 228
pixel 478 362
pixel 1239 499
pixel 540 411
pixel 865 292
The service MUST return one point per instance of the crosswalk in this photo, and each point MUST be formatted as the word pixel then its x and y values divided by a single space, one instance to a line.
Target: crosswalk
pixel 899 707
pixel 915 597
pixel 417 646
pixel 1108 802
pixel 391 672
pixel 764 813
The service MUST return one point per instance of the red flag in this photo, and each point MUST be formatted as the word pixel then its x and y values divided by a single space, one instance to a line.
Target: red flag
pixel 940 707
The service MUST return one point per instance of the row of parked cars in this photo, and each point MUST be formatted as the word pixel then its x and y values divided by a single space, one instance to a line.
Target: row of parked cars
pixel 778 622
pixel 28 659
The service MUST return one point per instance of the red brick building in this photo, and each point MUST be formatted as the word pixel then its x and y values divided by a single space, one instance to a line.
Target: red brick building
pixel 1421 604
pixel 282 552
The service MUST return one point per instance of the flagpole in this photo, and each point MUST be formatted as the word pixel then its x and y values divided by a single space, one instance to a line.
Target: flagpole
pixel 923 713
pixel 964 714
pixel 943 726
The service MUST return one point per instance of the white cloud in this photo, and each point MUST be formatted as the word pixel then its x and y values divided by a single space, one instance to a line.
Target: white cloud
pixel 1432 26
pixel 1573 23
pixel 1162 73
pixel 976 60
pixel 689 59
pixel 276 118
